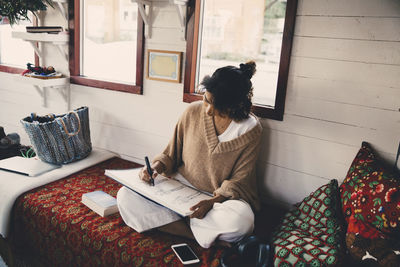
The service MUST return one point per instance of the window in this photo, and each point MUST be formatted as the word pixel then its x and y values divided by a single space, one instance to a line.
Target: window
pixel 14 53
pixel 221 33
pixel 106 45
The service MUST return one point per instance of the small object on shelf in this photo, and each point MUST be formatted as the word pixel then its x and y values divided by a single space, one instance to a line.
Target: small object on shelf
pixel 53 75
pixel 41 72
pixel 41 29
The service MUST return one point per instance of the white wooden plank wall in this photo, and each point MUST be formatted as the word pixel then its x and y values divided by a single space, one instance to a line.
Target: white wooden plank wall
pixel 343 88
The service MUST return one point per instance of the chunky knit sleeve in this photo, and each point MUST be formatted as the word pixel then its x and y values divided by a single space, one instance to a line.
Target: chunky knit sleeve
pixel 171 157
pixel 242 183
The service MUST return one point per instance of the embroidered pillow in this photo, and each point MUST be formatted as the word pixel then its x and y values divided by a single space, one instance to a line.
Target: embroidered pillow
pixel 371 194
pixel 311 234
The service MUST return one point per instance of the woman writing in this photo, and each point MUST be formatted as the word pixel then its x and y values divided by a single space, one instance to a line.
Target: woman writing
pixel 215 147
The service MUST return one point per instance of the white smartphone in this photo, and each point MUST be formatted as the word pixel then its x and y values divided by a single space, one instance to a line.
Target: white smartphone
pixel 185 253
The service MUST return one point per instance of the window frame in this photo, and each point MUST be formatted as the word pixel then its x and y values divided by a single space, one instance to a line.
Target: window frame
pixel 74 14
pixel 16 70
pixel 192 34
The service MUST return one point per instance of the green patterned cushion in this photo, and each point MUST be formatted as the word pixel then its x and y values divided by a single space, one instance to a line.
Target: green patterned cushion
pixel 311 234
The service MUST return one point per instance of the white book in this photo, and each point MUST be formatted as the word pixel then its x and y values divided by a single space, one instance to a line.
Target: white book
pixel 100 202
pixel 167 191
pixel 26 166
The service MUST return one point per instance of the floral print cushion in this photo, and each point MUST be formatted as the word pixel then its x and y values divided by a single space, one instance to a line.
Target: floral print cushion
pixel 371 194
pixel 311 234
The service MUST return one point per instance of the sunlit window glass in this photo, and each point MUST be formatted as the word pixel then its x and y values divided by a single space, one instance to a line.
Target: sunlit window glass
pixel 109 40
pixel 15 52
pixel 233 32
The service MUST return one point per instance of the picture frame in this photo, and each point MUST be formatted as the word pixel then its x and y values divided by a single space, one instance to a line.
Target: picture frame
pixel 163 65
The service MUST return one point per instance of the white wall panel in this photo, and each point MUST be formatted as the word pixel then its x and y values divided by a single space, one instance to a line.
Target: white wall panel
pixel 335 132
pixel 306 154
pixel 355 28
pixel 337 70
pixel 348 114
pixel 372 8
pixel 363 51
pixel 346 92
pixel 285 186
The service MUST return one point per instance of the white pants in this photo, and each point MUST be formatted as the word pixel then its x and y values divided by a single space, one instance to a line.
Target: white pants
pixel 228 221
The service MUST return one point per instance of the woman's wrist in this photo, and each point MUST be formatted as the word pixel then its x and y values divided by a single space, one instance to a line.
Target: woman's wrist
pixel 218 199
pixel 158 166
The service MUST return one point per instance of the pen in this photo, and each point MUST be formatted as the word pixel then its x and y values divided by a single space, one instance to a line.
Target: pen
pixel 149 170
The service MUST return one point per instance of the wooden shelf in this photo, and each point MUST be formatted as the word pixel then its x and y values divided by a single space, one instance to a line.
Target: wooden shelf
pixel 43 82
pixel 41 86
pixel 59 38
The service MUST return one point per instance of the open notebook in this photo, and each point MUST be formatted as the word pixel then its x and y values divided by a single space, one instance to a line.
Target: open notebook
pixel 26 166
pixel 168 192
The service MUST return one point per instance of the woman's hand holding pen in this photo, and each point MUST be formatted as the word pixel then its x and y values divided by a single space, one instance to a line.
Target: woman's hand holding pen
pixel 157 168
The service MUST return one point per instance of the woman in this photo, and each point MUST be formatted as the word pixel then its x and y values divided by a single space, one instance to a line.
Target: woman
pixel 215 147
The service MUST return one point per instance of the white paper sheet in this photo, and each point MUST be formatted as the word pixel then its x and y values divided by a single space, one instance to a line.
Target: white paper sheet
pixel 166 191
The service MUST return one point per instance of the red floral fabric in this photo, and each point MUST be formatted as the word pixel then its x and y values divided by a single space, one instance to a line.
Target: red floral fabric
pixel 53 228
pixel 370 197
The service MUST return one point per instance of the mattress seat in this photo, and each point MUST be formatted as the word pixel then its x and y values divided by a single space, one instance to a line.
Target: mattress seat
pixel 51 227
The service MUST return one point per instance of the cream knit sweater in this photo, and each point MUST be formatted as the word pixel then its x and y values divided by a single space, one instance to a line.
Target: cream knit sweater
pixel 226 168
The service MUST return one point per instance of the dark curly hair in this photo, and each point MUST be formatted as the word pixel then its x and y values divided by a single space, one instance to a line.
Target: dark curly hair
pixel 232 90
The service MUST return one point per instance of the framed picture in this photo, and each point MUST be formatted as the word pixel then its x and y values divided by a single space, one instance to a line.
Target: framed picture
pixel 164 65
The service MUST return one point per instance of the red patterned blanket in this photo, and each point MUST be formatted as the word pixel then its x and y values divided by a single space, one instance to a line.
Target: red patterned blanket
pixel 51 227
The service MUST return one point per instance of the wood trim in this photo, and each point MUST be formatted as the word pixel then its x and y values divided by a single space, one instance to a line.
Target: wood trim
pixel 74 56
pixel 192 35
pixel 36 23
pixel 140 54
pixel 286 50
pixel 129 88
pixel 276 112
pixel 74 37
pixel 191 97
pixel 266 112
pixel 13 70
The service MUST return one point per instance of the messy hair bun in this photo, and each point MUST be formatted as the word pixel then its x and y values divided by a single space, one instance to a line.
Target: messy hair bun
pixel 232 90
pixel 248 68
